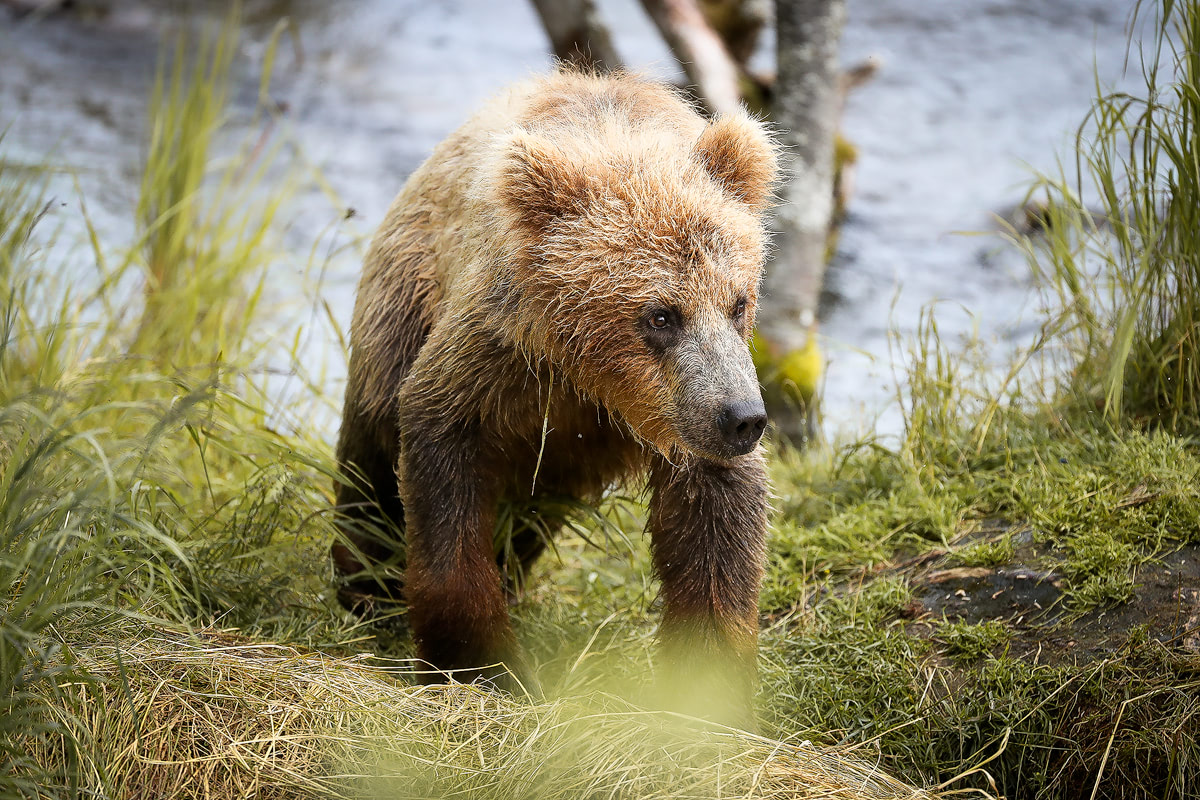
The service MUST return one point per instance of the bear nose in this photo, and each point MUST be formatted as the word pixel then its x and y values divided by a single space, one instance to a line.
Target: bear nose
pixel 742 423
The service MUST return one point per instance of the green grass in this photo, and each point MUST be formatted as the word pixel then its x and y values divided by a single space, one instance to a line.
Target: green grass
pixel 141 477
pixel 992 553
pixel 1049 723
pixel 967 641
pixel 1128 273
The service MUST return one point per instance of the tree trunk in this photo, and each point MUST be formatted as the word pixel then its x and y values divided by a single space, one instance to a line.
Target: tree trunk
pixel 700 51
pixel 806 102
pixel 738 23
pixel 577 34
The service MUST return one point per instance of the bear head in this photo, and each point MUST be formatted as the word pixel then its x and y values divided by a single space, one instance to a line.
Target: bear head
pixel 632 267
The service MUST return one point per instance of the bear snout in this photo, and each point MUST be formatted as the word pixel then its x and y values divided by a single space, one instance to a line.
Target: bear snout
pixel 719 412
pixel 741 423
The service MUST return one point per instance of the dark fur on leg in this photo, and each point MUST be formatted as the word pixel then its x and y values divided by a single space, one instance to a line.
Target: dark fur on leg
pixel 708 530
pixel 370 516
pixel 457 608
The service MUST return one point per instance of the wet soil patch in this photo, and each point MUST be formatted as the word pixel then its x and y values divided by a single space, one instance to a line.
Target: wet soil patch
pixel 1027 594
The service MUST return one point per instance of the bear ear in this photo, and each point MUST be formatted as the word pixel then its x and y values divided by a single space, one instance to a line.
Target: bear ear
pixel 739 154
pixel 538 181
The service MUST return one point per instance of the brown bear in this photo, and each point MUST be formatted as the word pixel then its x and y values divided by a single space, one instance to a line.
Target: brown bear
pixel 559 300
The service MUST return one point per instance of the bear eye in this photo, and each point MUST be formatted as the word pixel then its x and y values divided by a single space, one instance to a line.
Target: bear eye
pixel 661 328
pixel 739 308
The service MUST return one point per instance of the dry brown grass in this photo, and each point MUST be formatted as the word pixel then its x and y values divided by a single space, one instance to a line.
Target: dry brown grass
pixel 216 716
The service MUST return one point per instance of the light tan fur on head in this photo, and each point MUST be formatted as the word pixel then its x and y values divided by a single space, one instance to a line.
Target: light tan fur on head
pixel 740 156
pixel 640 203
pixel 537 181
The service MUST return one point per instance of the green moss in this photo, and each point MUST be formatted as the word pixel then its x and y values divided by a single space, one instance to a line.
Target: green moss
pixel 993 553
pixel 967 641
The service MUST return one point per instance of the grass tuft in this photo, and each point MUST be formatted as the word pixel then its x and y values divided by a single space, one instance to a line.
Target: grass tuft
pixel 202 236
pixel 169 714
pixel 1128 276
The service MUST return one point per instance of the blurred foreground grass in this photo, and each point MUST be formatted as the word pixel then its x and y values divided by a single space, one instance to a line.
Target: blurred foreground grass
pixel 167 622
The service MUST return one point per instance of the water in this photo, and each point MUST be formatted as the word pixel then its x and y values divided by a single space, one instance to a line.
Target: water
pixel 971 98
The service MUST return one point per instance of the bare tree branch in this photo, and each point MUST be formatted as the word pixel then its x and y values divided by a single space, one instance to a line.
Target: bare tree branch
pixel 577 33
pixel 700 51
pixel 738 23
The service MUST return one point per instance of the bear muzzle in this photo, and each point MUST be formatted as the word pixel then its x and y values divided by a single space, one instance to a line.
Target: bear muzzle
pixel 724 429
pixel 741 423
pixel 719 412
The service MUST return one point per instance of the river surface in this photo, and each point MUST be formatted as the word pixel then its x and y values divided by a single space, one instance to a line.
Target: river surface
pixel 972 97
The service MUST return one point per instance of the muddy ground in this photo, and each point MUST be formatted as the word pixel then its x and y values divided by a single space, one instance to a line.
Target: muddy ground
pixel 1027 595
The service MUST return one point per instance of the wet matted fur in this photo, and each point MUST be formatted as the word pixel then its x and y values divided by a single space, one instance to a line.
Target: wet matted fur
pixel 559 301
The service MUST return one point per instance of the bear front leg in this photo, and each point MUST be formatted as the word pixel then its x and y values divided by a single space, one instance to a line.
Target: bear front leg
pixel 708 533
pixel 457 609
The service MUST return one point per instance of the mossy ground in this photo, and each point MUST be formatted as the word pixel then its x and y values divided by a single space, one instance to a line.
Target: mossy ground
pixel 1033 602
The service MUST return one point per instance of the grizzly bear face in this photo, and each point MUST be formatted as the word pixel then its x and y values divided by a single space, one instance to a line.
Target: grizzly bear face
pixel 637 273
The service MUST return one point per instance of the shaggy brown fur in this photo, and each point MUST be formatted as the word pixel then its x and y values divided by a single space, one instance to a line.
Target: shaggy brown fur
pixel 582 257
